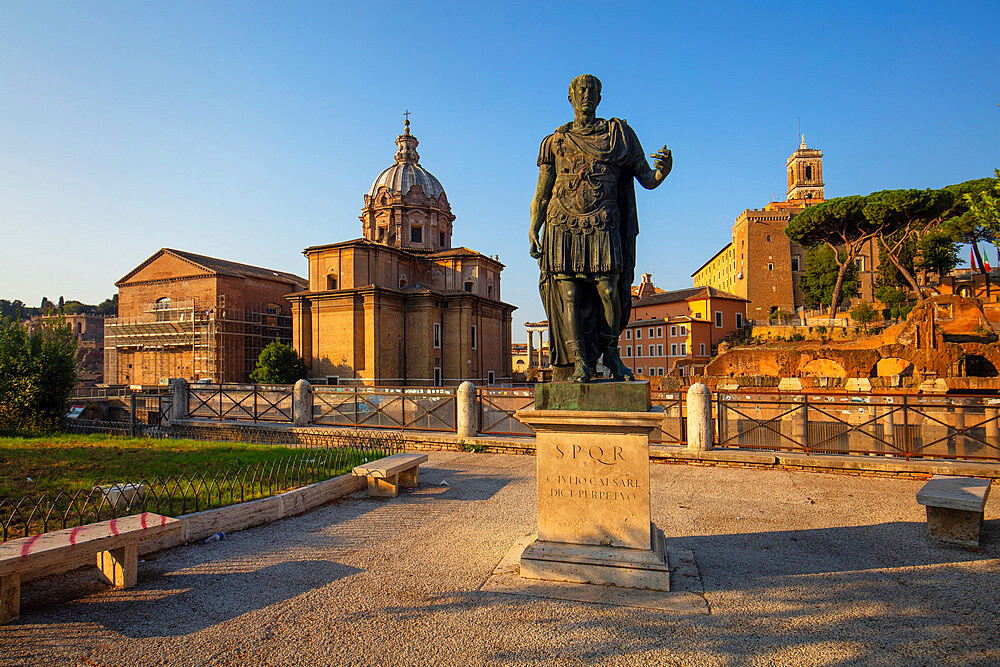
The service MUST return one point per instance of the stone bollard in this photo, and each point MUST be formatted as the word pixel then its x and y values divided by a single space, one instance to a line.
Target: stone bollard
pixel 302 403
pixel 468 416
pixel 179 404
pixel 699 417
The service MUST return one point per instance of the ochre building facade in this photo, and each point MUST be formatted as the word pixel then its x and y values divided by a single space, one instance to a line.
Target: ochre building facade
pixel 677 332
pixel 182 315
pixel 401 306
pixel 761 264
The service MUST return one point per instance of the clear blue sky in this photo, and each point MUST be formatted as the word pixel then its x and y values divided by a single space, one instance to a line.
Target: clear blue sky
pixel 249 131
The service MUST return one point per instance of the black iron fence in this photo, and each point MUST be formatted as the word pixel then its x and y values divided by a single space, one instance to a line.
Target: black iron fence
pixel 328 455
pixel 946 427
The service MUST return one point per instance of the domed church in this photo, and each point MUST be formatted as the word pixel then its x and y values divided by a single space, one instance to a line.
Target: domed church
pixel 401 306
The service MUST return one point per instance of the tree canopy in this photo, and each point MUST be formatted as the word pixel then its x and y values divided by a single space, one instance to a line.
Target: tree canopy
pixel 842 226
pixel 37 374
pixel 916 229
pixel 904 217
pixel 278 363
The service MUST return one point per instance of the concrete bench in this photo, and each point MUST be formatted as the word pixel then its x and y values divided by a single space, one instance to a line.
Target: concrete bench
pixel 955 508
pixel 114 543
pixel 386 475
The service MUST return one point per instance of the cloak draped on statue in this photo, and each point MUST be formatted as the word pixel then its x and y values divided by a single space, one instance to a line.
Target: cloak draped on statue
pixel 577 239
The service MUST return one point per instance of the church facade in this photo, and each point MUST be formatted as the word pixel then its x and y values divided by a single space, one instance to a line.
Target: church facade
pixel 401 306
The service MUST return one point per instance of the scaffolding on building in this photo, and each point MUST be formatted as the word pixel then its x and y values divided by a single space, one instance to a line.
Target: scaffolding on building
pixel 168 331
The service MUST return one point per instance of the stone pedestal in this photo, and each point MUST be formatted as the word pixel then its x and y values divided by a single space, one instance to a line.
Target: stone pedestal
pixel 593 499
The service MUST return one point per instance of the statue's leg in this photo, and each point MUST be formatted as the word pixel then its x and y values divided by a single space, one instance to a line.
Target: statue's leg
pixel 571 316
pixel 607 289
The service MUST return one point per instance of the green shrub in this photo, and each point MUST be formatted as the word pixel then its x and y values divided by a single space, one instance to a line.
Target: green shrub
pixel 278 364
pixel 37 375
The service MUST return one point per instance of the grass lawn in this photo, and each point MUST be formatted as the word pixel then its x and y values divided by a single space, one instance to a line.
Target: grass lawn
pixel 71 462
pixel 180 476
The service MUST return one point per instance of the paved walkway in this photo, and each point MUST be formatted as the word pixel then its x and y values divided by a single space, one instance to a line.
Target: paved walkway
pixel 798 568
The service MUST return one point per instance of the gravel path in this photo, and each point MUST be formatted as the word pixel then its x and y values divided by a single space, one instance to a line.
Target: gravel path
pixel 798 569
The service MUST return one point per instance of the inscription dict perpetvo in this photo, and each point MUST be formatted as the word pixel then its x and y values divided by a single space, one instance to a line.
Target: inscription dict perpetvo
pixel 592 487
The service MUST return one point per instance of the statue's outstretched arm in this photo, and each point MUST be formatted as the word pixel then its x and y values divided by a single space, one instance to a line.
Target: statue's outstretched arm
pixel 543 191
pixel 650 178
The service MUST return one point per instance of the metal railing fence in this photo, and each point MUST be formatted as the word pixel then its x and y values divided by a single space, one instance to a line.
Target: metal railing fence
pixel 192 492
pixel 497 406
pixel 403 408
pixel 253 402
pixel 673 430
pixel 907 426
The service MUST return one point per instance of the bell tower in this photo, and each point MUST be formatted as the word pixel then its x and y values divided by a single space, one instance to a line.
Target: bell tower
pixel 805 174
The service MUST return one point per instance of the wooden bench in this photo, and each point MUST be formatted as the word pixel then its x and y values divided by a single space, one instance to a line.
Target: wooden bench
pixel 386 475
pixel 114 543
pixel 955 508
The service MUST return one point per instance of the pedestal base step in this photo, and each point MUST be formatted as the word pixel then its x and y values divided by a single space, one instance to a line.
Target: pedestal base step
pixel 586 564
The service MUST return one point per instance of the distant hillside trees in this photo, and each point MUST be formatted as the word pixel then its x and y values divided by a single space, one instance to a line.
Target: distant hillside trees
pixel 37 374
pixel 17 310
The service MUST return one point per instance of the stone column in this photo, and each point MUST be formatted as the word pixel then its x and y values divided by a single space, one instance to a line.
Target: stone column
pixel 179 393
pixel 467 412
pixel 531 350
pixel 302 404
pixel 699 418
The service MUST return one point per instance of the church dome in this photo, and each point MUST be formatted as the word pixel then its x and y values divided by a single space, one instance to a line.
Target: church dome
pixel 399 178
pixel 407 172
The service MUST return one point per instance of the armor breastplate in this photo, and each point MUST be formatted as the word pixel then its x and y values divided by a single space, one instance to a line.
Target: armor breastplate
pixel 585 190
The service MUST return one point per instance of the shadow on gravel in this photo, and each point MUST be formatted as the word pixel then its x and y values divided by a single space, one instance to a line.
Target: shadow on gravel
pixel 181 604
pixel 462 484
pixel 731 561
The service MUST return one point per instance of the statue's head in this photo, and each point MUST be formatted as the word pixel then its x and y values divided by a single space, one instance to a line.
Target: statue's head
pixel 585 93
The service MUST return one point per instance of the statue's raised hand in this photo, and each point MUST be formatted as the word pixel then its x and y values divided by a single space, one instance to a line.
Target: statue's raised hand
pixel 664 161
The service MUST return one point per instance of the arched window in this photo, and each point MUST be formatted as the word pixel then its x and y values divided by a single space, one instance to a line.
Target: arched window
pixel 809 172
pixel 468 286
pixel 402 283
pixel 331 281
pixel 161 307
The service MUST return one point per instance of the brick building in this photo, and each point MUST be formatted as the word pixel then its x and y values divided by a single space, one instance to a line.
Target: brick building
pixel 401 306
pixel 761 264
pixel 182 315
pixel 678 332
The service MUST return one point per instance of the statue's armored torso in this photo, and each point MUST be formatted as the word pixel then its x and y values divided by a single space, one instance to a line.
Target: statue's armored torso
pixel 581 235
